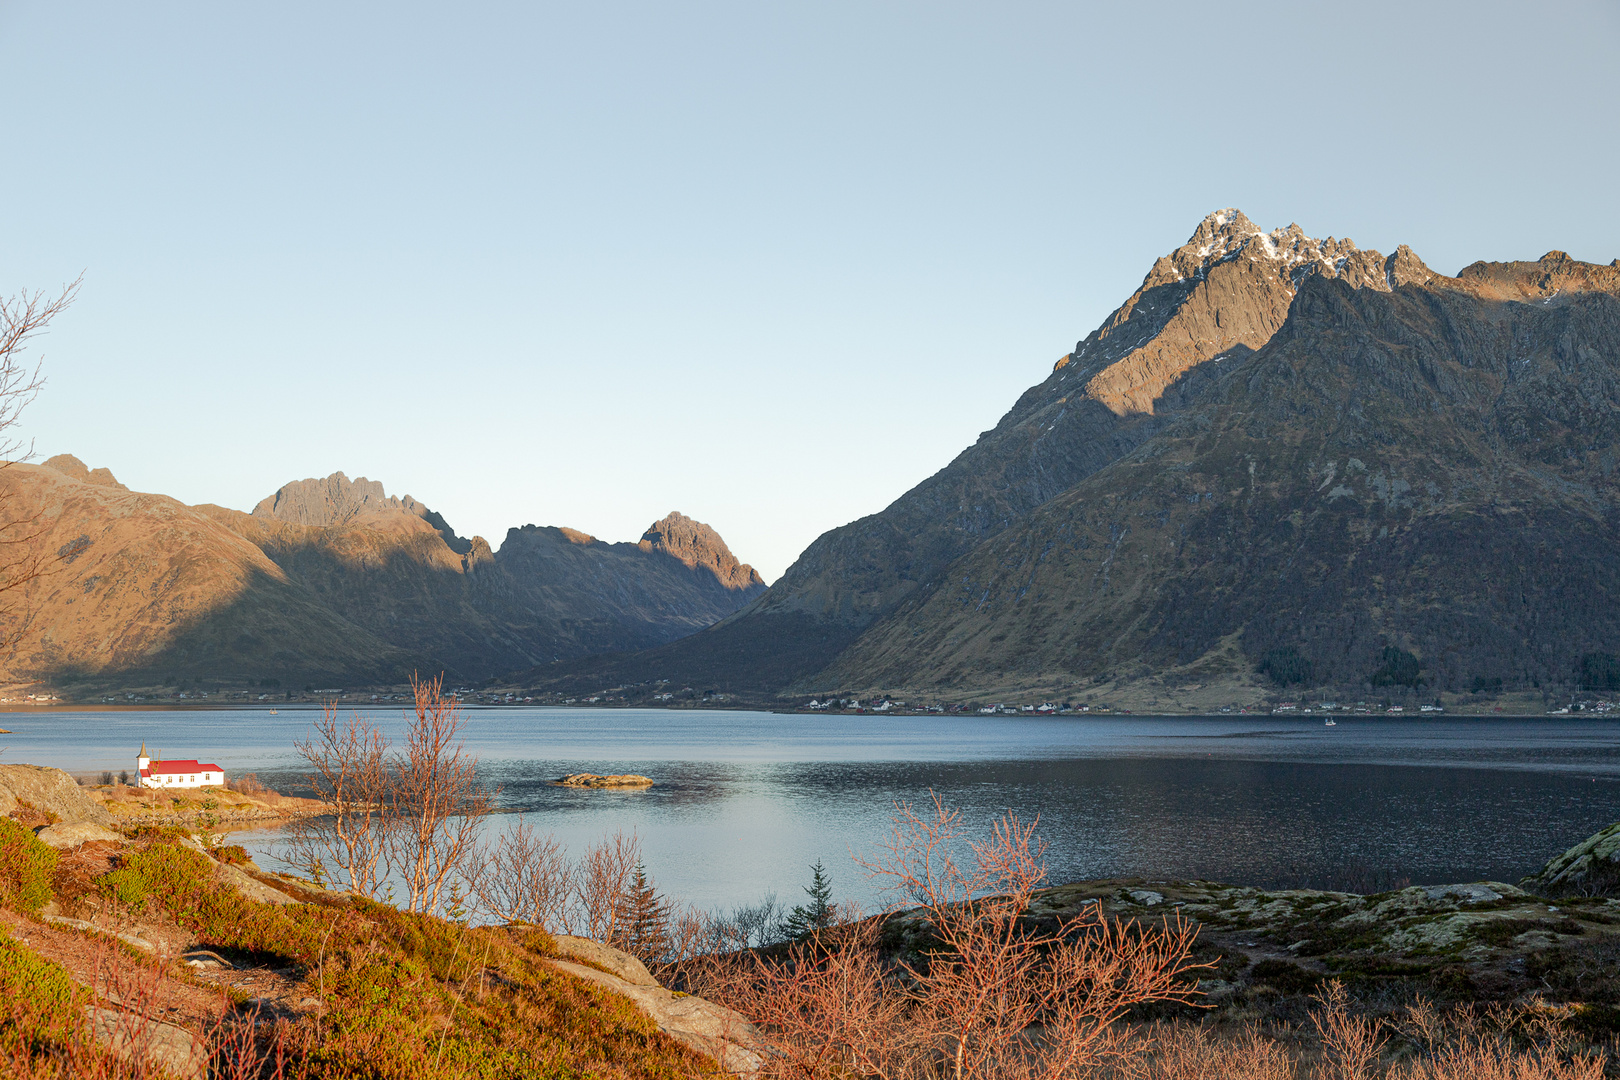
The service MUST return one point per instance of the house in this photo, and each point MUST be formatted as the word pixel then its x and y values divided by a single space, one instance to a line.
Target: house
pixel 188 772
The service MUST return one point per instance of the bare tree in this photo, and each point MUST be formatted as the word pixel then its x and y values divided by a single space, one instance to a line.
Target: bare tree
pixel 992 977
pixel 524 877
pixel 602 881
pixel 989 995
pixel 347 846
pixel 409 818
pixel 436 800
pixel 22 317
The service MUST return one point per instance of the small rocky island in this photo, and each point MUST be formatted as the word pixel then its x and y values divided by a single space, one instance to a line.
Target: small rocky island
pixel 618 780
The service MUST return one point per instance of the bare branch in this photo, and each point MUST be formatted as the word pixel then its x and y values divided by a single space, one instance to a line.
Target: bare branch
pixel 525 877
pixel 347 847
pixel 22 317
pixel 436 800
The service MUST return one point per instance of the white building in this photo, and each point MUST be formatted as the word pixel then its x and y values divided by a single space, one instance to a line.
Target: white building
pixel 188 772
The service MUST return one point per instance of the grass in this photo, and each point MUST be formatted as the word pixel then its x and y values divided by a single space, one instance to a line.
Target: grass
pixel 399 995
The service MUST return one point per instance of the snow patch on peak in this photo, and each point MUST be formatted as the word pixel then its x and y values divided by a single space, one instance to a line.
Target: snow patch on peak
pixel 1228 234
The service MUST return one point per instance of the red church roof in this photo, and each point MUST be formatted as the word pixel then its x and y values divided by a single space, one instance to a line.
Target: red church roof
pixel 187 765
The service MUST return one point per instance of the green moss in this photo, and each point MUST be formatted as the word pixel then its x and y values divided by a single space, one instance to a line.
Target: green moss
pixel 35 987
pixel 232 854
pixel 125 886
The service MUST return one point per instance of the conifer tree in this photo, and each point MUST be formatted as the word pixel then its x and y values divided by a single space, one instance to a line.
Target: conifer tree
pixel 643 922
pixel 805 919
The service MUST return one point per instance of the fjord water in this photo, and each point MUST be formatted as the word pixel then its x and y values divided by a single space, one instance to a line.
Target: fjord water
pixel 744 801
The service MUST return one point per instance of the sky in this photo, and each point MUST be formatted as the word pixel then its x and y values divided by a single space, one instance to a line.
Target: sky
pixel 766 264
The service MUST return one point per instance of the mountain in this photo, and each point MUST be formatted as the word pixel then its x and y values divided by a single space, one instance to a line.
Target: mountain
pixel 1407 487
pixel 1150 509
pixel 1222 294
pixel 332 581
pixel 145 585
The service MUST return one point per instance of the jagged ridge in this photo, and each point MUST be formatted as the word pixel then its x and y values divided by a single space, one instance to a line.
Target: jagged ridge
pixel 1221 295
pixel 1430 468
pixel 334 580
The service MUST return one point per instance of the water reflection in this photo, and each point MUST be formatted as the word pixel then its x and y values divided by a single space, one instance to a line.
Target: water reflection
pixel 745 801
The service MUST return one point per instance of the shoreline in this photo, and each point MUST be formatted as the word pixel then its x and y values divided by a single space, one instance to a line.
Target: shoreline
pixel 875 714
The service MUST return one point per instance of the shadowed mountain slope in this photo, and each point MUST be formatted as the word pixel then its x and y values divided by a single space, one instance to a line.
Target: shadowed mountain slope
pixel 333 581
pixel 1430 469
pixel 1221 295
pixel 145 584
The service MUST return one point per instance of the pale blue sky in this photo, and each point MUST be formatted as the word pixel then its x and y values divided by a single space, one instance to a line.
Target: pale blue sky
pixel 767 264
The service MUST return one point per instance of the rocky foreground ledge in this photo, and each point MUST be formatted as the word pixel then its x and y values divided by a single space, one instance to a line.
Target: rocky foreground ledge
pixel 1554 937
pixel 284 978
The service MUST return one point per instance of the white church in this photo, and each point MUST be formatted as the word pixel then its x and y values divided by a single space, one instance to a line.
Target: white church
pixel 188 772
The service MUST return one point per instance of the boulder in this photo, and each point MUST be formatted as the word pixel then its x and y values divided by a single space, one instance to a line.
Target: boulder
pixel 615 961
pixel 722 1034
pixel 69 834
pixel 1591 866
pixel 251 887
pixel 1478 892
pixel 49 789
pixel 134 1039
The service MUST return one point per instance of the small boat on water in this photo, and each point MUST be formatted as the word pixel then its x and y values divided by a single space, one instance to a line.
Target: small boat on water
pixel 1329 722
pixel 273 712
pixel 6 731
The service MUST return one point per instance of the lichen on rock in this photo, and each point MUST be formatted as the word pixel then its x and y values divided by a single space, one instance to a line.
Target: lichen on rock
pixel 1591 866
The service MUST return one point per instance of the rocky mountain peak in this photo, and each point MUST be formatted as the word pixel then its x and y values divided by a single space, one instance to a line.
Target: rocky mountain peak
pixel 1229 234
pixel 1405 268
pixel 1227 287
pixel 333 500
pixel 70 466
pixel 697 545
pixel 336 501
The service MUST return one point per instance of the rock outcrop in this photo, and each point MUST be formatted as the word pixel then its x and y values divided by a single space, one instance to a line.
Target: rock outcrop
pixel 333 500
pixel 146 1043
pixel 615 780
pixel 72 834
pixel 49 790
pixel 722 1034
pixel 696 546
pixel 1591 867
pixel 68 465
pixel 615 962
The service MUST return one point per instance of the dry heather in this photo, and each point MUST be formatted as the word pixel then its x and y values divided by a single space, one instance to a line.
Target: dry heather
pixel 335 987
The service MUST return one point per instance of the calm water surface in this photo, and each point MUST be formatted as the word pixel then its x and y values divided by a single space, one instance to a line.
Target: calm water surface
pixel 744 801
